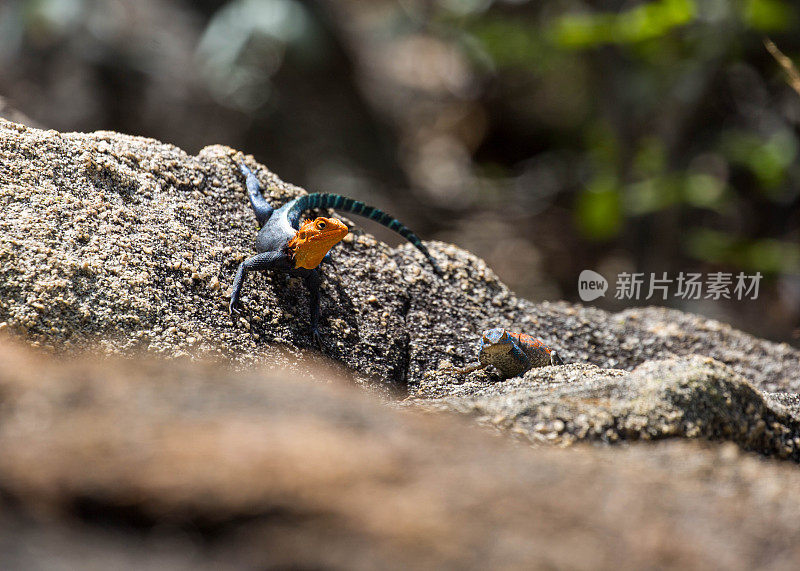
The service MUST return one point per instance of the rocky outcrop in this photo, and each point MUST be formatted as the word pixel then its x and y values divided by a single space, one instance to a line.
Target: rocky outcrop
pixel 131 245
pixel 119 245
pixel 691 397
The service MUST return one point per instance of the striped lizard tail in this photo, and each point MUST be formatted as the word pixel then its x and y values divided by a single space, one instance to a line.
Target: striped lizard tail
pixel 338 202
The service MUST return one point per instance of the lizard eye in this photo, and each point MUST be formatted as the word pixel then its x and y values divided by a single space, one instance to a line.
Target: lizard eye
pixel 321 225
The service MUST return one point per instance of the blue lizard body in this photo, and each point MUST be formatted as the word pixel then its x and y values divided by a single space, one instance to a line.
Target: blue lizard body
pixel 279 227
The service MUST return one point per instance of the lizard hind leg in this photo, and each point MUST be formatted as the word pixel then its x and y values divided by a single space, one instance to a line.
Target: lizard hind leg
pixel 262 209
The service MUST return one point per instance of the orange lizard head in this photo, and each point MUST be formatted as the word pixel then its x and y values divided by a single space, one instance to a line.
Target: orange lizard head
pixel 314 239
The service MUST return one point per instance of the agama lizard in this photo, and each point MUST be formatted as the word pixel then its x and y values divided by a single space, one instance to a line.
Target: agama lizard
pixel 286 246
pixel 512 353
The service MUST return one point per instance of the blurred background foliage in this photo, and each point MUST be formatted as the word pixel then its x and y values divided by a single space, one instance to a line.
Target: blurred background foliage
pixel 547 136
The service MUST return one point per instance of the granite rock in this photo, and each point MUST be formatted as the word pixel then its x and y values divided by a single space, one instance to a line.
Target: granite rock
pixel 688 397
pixel 130 245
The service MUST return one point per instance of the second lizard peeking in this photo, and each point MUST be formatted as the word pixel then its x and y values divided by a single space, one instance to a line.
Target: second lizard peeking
pixel 512 353
pixel 284 245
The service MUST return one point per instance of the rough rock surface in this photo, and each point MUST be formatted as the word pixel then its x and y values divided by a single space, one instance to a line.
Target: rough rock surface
pixel 690 397
pixel 125 244
pixel 150 465
pixel 131 244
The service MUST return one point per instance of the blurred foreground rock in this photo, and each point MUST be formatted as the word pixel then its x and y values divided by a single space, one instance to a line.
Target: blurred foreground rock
pixel 149 465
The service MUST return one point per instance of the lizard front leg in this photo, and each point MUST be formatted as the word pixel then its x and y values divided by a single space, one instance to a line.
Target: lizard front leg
pixel 259 262
pixel 261 208
pixel 515 364
pixel 465 370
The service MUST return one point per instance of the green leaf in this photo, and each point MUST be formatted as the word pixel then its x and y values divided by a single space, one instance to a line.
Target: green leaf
pixel 764 255
pixel 641 23
pixel 598 210
pixel 768 15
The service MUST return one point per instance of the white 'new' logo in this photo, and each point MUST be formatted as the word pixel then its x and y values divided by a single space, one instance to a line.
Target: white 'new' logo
pixel 591 285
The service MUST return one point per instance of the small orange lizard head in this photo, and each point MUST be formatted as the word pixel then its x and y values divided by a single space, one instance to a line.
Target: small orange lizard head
pixel 314 239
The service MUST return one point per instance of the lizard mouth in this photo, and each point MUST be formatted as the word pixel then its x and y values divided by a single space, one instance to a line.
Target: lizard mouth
pixel 333 233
